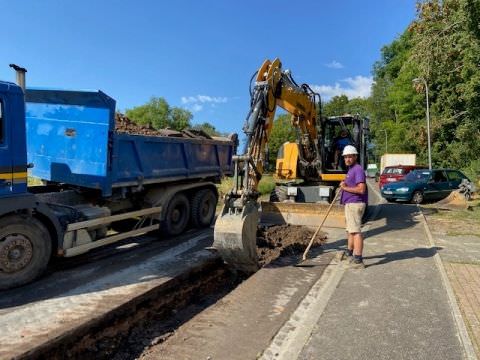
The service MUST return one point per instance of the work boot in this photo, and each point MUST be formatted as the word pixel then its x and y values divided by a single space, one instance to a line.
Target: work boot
pixel 357 263
pixel 347 256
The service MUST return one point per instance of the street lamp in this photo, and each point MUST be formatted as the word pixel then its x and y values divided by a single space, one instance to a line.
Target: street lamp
pixel 416 81
pixel 386 141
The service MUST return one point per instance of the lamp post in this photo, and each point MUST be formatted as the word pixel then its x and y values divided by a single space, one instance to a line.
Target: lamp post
pixel 422 80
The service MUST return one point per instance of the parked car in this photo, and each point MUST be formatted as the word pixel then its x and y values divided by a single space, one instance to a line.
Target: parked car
pixel 420 185
pixel 396 173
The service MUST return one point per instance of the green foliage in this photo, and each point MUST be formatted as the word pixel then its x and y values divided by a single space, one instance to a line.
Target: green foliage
pixel 160 115
pixel 266 185
pixel 341 105
pixel 441 46
pixel 207 128
pixel 282 132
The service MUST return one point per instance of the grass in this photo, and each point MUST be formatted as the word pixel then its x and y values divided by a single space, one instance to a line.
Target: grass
pixel 33 181
pixel 267 184
pixel 470 215
pixel 459 222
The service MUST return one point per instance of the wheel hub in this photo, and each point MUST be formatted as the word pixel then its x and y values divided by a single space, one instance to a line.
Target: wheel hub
pixel 175 215
pixel 16 251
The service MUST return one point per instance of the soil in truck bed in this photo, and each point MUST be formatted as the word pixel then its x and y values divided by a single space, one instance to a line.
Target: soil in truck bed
pixel 124 125
pixel 284 240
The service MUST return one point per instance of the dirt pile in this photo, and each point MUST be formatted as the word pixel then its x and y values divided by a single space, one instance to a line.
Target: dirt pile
pixel 124 125
pixel 284 240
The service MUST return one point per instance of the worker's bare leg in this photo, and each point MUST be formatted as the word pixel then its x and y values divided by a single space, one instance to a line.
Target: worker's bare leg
pixel 350 244
pixel 357 240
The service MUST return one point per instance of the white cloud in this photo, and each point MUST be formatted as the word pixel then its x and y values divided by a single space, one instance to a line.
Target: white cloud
pixel 197 107
pixel 358 86
pixel 334 64
pixel 203 99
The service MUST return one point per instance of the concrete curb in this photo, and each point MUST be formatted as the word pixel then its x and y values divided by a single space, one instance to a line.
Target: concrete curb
pixel 457 315
pixel 294 334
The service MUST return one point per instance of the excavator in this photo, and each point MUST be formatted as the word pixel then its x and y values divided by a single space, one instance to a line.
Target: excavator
pixel 307 171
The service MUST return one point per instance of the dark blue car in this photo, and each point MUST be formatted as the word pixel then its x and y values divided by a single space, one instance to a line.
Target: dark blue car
pixel 420 185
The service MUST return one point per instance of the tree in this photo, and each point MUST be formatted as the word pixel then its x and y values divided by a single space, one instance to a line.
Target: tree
pixel 336 106
pixel 342 105
pixel 207 128
pixel 179 119
pixel 442 46
pixel 157 113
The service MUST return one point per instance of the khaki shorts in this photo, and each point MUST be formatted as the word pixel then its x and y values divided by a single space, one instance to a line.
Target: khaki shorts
pixel 353 216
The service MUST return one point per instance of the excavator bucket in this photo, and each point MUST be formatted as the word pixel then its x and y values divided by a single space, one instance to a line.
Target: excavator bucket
pixel 235 238
pixel 306 214
pixel 454 201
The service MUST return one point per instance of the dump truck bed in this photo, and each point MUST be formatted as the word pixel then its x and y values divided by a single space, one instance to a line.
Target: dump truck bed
pixel 71 139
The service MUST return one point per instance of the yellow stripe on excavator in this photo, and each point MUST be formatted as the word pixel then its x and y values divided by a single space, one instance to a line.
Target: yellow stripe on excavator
pixel 333 177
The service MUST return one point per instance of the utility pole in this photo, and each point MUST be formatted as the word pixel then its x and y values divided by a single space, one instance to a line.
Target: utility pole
pixel 416 81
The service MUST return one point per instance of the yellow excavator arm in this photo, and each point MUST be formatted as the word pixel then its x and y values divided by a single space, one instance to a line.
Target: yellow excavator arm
pixel 274 88
pixel 235 229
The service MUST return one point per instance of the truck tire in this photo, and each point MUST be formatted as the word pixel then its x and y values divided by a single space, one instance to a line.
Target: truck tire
pixel 25 250
pixel 177 215
pixel 204 204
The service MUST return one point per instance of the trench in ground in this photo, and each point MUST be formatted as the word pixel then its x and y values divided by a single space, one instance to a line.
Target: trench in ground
pixel 127 332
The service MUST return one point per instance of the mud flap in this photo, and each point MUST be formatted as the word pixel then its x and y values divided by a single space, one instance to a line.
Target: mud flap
pixel 235 238
pixel 306 214
pixel 454 201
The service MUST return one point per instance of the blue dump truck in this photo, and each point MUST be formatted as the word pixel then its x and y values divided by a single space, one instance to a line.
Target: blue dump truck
pixel 99 185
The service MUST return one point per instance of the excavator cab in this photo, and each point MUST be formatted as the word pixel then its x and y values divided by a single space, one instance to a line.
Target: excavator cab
pixel 339 131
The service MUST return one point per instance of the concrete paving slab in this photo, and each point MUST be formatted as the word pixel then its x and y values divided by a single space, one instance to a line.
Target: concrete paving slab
pixel 396 308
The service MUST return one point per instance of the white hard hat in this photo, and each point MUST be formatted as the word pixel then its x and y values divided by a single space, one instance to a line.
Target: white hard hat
pixel 349 150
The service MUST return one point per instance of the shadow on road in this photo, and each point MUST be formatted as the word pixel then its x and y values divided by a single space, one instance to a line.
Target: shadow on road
pixel 396 217
pixel 403 255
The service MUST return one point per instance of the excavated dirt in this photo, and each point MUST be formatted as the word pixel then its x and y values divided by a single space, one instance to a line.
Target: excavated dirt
pixel 283 240
pixel 124 125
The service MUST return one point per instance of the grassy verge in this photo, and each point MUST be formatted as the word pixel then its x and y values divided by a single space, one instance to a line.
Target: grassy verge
pixel 460 222
pixel 267 184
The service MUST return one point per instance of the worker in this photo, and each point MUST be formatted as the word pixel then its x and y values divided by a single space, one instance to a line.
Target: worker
pixel 354 197
pixel 339 143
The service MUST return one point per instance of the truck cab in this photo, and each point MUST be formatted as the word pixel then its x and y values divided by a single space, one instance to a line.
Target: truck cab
pixel 13 155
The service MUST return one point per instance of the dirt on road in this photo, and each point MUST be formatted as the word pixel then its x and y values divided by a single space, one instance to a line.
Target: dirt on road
pixel 284 240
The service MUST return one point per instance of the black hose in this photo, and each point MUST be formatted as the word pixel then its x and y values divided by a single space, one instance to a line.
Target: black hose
pixel 250 86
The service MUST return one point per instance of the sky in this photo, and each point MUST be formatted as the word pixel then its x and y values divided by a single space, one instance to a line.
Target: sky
pixel 196 54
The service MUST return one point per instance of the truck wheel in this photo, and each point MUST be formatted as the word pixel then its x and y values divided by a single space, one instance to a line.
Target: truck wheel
pixel 279 194
pixel 417 197
pixel 25 250
pixel 204 204
pixel 178 215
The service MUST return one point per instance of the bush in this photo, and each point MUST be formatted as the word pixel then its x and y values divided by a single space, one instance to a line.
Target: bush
pixel 267 184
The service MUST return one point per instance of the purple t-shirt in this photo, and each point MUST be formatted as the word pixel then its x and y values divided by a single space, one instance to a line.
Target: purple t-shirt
pixel 355 175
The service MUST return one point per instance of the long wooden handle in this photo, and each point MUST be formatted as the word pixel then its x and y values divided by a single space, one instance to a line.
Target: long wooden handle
pixel 304 257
